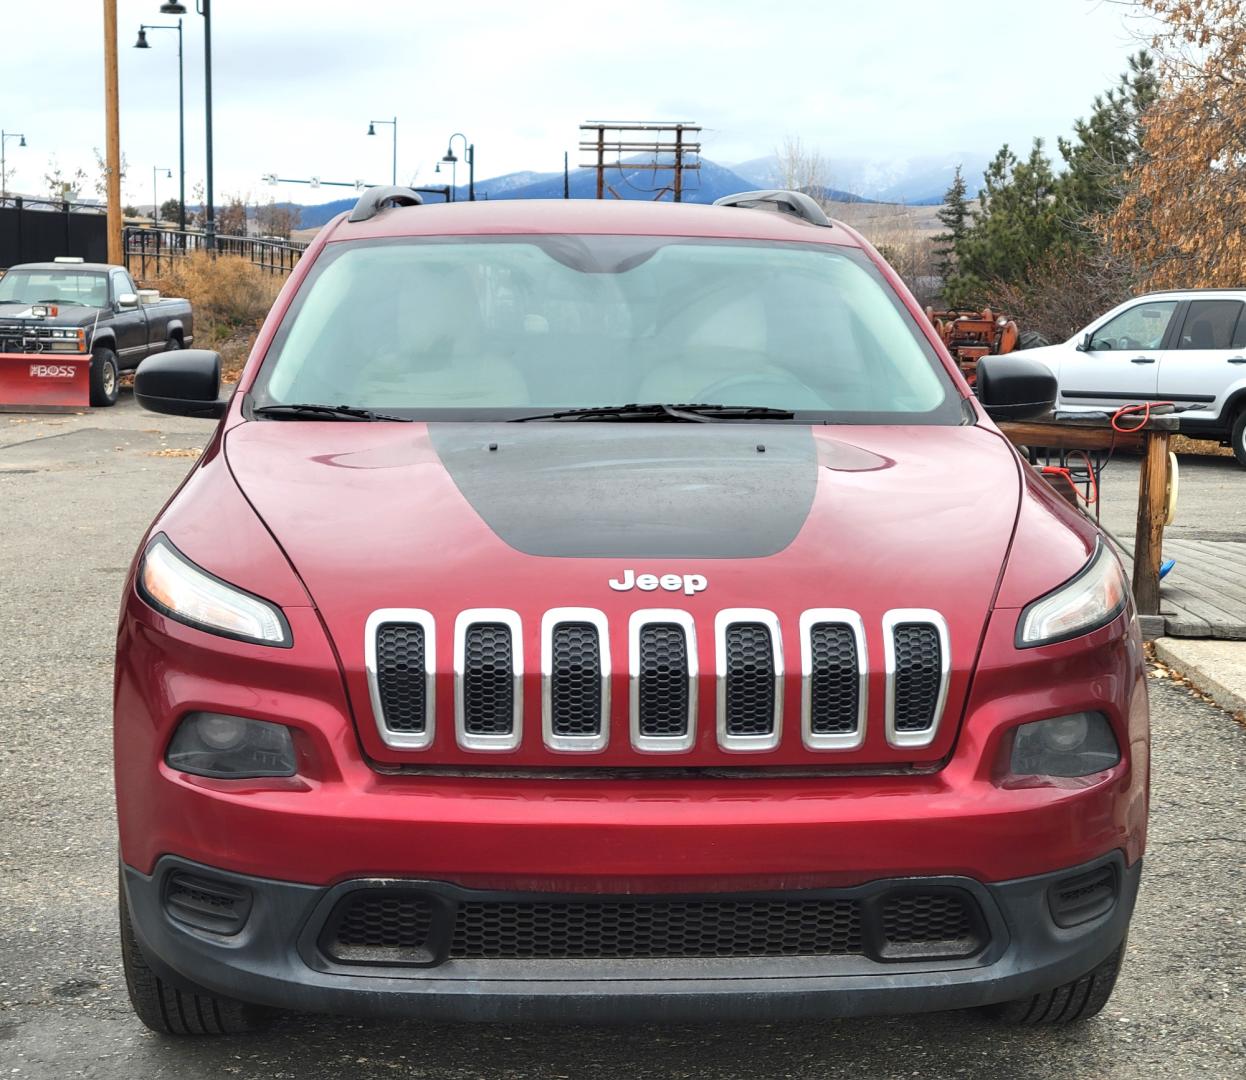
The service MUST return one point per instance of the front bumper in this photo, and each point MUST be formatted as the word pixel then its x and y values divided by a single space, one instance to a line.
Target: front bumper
pixel 278 959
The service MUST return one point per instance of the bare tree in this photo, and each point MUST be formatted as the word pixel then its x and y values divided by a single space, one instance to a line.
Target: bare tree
pixel 803 168
pixel 273 219
pixel 101 168
pixel 59 184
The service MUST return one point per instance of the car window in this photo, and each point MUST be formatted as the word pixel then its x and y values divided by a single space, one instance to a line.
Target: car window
pixel 121 283
pixel 54 286
pixel 1140 327
pixel 497 326
pixel 1210 324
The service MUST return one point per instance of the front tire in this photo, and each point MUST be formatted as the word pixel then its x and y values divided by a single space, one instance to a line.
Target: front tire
pixel 105 377
pixel 173 1010
pixel 1077 1000
pixel 1238 438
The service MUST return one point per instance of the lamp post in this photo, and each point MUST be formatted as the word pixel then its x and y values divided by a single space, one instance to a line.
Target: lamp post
pixel 204 8
pixel 5 136
pixel 393 179
pixel 155 199
pixel 469 151
pixel 141 43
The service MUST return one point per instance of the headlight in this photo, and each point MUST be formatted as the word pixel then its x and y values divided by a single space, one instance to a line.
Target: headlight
pixel 176 587
pixel 1091 599
pixel 231 747
pixel 1075 745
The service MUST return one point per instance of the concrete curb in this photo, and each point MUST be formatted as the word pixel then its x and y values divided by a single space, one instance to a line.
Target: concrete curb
pixel 1217 668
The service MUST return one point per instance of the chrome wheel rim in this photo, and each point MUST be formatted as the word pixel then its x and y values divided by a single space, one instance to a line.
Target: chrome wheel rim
pixel 109 379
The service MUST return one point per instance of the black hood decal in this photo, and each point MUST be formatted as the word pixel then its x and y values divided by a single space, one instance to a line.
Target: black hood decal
pixel 635 490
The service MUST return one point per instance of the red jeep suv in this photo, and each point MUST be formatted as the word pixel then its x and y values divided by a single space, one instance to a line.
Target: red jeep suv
pixel 595 610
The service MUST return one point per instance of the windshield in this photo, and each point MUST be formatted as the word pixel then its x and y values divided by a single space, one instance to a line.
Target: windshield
pixel 495 328
pixel 61 286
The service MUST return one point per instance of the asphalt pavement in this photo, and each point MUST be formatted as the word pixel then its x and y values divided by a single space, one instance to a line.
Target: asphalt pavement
pixel 76 494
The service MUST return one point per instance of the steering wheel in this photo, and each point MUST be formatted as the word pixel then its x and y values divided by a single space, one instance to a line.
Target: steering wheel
pixel 766 386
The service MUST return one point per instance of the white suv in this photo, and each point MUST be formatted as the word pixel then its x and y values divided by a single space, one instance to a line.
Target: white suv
pixel 1187 347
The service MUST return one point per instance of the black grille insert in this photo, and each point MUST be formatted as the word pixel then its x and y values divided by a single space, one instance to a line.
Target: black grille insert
pixel 1078 899
pixel 663 680
pixel 575 680
pixel 749 679
pixel 488 680
pixel 834 679
pixel 652 929
pixel 400 676
pixel 942 923
pixel 429 925
pixel 208 903
pixel 381 927
pixel 918 675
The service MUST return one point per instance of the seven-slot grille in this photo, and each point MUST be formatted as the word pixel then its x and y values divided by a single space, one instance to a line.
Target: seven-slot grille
pixel 575 667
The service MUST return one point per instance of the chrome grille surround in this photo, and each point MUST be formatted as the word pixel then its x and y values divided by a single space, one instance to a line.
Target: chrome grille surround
pixel 661 744
pixel 891 620
pixel 723 621
pixel 475 741
pixel 403 740
pixel 839 740
pixel 549 622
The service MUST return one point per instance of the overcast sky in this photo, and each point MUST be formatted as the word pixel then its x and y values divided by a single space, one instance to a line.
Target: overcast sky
pixel 295 82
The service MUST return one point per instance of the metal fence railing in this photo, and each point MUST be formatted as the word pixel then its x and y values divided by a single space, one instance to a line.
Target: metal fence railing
pixel 150 252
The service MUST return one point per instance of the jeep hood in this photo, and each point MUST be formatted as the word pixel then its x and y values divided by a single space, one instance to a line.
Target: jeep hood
pixel 529 517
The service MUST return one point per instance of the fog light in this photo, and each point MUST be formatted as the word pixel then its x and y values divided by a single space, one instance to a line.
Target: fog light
pixel 231 747
pixel 1076 745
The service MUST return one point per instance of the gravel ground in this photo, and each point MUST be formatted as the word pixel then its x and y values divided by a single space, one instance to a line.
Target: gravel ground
pixel 77 492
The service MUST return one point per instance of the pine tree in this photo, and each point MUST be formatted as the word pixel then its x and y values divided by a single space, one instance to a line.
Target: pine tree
pixel 953 215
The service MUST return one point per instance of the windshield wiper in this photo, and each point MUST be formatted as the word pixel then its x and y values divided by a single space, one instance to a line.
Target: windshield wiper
pixel 694 414
pixel 324 412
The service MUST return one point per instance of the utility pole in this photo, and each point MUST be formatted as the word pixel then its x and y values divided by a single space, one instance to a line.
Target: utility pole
pixel 112 116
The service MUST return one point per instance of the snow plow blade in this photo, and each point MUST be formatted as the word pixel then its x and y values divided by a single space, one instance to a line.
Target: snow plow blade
pixel 44 382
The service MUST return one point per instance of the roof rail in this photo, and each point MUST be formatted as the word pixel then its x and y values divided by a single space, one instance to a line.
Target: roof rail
pixel 793 203
pixel 376 199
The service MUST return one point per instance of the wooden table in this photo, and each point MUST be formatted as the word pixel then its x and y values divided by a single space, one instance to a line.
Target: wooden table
pixel 1152 442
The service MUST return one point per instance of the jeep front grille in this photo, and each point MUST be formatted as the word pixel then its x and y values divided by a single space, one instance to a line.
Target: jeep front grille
pixel 488 679
pixel 401 661
pixel 663 680
pixel 663 677
pixel 749 657
pixel 575 682
pixel 917 675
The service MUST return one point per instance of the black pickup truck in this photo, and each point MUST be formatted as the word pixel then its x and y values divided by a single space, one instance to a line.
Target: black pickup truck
pixel 70 306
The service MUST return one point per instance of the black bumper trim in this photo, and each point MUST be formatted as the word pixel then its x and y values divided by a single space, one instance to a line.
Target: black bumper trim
pixel 274 961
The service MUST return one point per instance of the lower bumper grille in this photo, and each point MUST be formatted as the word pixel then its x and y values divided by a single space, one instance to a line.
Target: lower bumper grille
pixel 422 927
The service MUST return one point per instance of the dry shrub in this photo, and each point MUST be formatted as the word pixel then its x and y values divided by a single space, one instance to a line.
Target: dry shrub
pixel 1064 291
pixel 227 293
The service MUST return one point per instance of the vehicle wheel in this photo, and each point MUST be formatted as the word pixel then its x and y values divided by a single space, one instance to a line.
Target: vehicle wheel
pixel 173 344
pixel 1238 438
pixel 1031 339
pixel 1078 1000
pixel 170 1010
pixel 104 377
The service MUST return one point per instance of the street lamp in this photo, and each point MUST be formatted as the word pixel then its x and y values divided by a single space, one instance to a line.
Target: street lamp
pixel 372 131
pixel 204 8
pixel 469 151
pixel 5 136
pixel 155 199
pixel 141 43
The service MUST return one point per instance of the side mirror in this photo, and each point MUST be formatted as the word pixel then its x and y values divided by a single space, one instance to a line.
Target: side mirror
pixel 1013 387
pixel 186 382
pixel 127 300
pixel 1084 344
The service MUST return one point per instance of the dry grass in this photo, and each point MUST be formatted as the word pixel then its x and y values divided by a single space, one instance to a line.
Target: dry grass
pixel 227 293
pixel 1179 444
pixel 230 298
